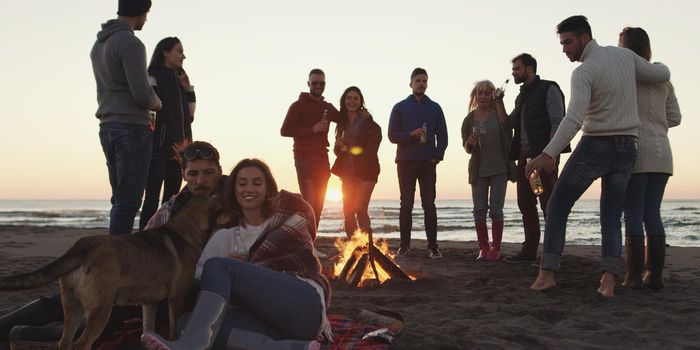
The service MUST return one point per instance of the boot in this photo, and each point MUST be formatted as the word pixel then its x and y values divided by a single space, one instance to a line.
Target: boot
pixel 497 228
pixel 482 235
pixel 201 329
pixel 36 313
pixel 634 256
pixel 240 339
pixel 656 256
pixel 49 332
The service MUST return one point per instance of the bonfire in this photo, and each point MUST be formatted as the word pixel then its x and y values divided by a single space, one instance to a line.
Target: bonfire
pixel 363 265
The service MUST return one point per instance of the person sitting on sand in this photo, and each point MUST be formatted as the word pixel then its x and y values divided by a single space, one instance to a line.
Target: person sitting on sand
pixel 604 102
pixel 271 275
pixel 485 137
pixel 42 319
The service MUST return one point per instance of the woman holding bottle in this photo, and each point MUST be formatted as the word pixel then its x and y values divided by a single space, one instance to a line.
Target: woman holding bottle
pixel 658 111
pixel 357 139
pixel 484 137
pixel 172 123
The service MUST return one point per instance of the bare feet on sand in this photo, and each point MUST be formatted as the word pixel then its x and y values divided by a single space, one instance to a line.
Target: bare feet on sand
pixel 545 280
pixel 607 285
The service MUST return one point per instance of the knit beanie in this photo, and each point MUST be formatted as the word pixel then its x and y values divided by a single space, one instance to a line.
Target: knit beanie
pixel 133 8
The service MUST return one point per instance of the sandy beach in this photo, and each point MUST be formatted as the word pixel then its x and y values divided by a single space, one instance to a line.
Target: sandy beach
pixel 456 303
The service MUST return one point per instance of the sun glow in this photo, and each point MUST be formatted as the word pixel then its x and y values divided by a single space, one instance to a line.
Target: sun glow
pixel 334 195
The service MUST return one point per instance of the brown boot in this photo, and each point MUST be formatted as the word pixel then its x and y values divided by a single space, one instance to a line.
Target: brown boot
pixel 634 257
pixel 656 257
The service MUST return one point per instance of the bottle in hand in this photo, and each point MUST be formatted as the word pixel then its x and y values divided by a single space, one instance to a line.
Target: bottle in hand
pixel 536 182
pixel 424 135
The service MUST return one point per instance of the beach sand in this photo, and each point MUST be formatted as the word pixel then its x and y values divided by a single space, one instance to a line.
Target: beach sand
pixel 456 303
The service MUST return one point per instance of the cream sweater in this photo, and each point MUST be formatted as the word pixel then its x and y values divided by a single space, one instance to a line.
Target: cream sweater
pixel 658 111
pixel 604 95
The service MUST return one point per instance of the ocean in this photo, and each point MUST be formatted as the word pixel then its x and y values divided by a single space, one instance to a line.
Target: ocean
pixel 681 219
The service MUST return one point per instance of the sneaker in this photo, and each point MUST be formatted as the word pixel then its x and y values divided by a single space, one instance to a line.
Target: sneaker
pixel 520 258
pixel 403 251
pixel 434 253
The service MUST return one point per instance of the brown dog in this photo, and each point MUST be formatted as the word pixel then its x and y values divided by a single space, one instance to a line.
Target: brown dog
pixel 140 269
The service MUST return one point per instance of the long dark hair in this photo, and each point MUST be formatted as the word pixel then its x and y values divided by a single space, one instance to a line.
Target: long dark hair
pixel 343 118
pixel 164 45
pixel 637 40
pixel 269 182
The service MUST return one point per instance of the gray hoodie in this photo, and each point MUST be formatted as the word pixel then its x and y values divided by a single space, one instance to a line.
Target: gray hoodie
pixel 119 63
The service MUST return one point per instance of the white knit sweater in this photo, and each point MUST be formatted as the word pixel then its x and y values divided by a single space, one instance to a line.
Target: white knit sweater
pixel 658 111
pixel 604 95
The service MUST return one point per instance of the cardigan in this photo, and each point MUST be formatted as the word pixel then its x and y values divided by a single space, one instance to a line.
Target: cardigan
pixel 658 111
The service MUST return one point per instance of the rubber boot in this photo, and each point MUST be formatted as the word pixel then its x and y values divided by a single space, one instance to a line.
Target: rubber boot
pixel 656 257
pixel 482 235
pixel 36 313
pixel 201 329
pixel 49 332
pixel 240 339
pixel 497 234
pixel 634 257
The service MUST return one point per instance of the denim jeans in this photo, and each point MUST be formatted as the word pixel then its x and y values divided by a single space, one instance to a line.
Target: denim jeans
pixel 489 201
pixel 312 175
pixel 277 304
pixel 356 197
pixel 128 149
pixel 165 173
pixel 527 203
pixel 645 191
pixel 610 158
pixel 424 171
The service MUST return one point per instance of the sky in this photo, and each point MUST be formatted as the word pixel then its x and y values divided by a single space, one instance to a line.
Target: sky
pixel 249 60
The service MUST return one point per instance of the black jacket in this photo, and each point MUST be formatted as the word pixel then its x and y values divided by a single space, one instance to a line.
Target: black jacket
pixel 173 121
pixel 366 163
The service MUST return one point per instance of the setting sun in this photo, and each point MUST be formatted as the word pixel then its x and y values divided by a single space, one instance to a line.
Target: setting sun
pixel 334 195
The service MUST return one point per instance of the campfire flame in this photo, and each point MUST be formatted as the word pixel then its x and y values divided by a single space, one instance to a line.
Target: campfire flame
pixel 359 243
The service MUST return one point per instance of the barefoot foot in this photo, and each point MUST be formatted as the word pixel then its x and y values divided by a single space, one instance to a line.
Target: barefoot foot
pixel 545 280
pixel 607 285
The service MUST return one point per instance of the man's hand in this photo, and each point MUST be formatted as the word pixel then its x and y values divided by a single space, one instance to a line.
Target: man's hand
pixel 417 134
pixel 321 126
pixel 543 161
pixel 158 105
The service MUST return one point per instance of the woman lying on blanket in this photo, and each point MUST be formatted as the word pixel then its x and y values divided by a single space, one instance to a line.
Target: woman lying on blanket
pixel 265 267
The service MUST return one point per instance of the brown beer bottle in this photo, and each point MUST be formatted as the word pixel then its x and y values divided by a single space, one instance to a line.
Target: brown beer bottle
pixel 535 182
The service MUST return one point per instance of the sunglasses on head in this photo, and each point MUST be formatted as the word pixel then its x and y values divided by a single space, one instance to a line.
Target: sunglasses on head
pixel 198 153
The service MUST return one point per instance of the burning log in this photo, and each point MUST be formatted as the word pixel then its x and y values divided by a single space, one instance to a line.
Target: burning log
pixel 364 264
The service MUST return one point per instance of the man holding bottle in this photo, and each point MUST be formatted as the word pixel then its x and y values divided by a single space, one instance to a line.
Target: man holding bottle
pixel 539 108
pixel 417 126
pixel 307 122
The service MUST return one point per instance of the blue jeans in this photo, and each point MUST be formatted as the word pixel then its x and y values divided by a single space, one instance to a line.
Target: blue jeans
pixel 610 158
pixel 424 171
pixel 269 302
pixel 312 175
pixel 645 191
pixel 492 204
pixel 128 149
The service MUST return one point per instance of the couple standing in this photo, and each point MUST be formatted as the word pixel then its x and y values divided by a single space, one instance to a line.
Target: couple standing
pixel 417 126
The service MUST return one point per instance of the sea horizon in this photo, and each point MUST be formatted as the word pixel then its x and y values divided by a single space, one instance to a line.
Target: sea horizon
pixel 455 222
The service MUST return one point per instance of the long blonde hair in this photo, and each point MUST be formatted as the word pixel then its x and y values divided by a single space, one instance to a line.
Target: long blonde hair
pixel 481 85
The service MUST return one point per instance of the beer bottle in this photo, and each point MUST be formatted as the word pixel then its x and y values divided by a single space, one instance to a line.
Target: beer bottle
pixel 535 182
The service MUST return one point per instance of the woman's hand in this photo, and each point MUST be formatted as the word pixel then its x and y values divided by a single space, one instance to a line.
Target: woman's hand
pixel 341 145
pixel 184 80
pixel 473 140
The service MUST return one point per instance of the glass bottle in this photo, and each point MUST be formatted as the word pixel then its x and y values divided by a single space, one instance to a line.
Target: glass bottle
pixel 535 182
pixel 424 135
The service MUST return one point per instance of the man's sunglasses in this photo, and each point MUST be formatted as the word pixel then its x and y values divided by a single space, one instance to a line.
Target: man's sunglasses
pixel 198 153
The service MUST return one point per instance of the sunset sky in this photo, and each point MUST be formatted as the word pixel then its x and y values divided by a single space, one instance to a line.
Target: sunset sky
pixel 249 61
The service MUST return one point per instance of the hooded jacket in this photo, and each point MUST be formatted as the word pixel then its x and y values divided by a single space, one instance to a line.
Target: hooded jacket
pixel 119 64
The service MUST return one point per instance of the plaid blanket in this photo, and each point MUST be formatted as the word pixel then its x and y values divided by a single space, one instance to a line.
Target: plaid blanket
pixel 287 245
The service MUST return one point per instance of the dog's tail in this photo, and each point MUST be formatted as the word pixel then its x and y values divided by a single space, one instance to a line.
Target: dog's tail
pixel 70 261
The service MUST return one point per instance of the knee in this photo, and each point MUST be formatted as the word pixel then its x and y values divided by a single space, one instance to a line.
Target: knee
pixel 217 266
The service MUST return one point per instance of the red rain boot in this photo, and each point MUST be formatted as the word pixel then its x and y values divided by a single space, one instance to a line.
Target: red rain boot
pixel 495 253
pixel 482 235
